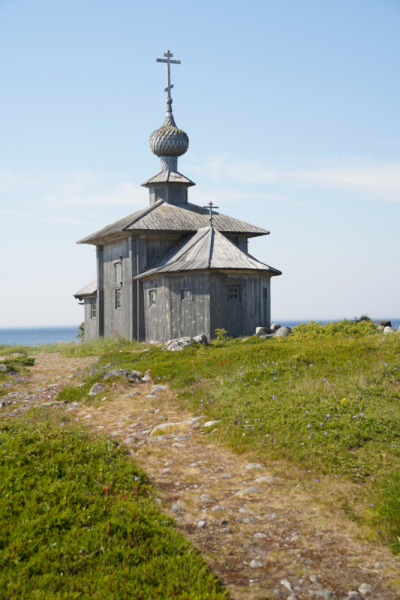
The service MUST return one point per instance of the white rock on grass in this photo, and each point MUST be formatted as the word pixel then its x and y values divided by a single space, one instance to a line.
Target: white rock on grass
pixel 96 389
pixel 201 524
pixel 365 589
pixel 177 508
pixel 157 438
pixel 219 507
pixel 210 423
pixel 250 490
pixel 260 536
pixel 287 584
pixel 255 564
pixel 129 441
pixel 159 388
pixel 266 479
pixel 254 466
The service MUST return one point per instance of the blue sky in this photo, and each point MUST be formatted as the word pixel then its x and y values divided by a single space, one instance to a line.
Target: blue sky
pixel 292 110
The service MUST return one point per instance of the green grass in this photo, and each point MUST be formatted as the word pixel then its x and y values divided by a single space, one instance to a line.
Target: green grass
pixel 79 521
pixel 324 403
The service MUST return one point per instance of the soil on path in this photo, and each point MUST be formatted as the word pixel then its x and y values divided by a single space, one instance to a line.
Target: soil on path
pixel 265 538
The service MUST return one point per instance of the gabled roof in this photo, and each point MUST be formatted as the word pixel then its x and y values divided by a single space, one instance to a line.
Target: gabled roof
pixel 167 177
pixel 183 218
pixel 206 249
pixel 89 290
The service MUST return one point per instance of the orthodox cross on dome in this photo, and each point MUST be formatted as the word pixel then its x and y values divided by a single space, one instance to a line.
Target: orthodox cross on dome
pixel 169 62
pixel 210 206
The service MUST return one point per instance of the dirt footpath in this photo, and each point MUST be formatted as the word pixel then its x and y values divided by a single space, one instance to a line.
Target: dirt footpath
pixel 260 534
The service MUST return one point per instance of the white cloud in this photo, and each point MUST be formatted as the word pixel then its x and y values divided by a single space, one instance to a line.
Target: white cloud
pixel 364 179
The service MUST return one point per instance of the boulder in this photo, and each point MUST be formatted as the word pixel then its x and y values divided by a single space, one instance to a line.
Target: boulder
pixel 383 323
pixel 275 327
pixel 200 339
pixel 131 375
pixel 282 332
pixel 210 423
pixel 3 368
pixel 388 329
pixel 159 388
pixel 147 377
pixel 4 403
pixel 96 389
pixel 179 343
pixel 261 331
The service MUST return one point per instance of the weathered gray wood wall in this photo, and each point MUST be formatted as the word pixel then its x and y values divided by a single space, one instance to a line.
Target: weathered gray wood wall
pixel 174 316
pixel 90 324
pixel 252 309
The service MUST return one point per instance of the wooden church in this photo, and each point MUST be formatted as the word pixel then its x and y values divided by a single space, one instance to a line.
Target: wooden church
pixel 173 268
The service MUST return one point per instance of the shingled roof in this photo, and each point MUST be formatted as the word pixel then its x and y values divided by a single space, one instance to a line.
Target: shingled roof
pixel 89 290
pixel 184 218
pixel 206 249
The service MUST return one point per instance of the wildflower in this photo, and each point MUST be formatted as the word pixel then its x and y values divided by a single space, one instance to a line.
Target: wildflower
pixel 321 424
pixel 324 379
pixel 62 424
pixel 326 433
pixel 136 478
pixel 328 416
pixel 361 415
pixel 308 426
pixel 372 506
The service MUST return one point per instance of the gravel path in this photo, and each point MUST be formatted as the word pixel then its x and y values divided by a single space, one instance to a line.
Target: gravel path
pixel 262 535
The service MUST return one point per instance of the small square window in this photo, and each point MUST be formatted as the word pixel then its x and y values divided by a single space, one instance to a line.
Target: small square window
pixel 153 297
pixel 118 299
pixel 234 293
pixel 93 310
pixel 117 272
pixel 186 294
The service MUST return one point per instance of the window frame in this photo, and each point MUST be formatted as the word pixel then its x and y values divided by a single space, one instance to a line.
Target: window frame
pixel 152 293
pixel 118 266
pixel 93 309
pixel 183 297
pixel 118 298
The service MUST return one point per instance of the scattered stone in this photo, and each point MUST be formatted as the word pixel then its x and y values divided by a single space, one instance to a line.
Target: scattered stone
pixel 3 368
pixel 182 437
pixel 220 507
pixel 88 417
pixel 159 388
pixel 378 565
pixel 255 564
pixel 4 403
pixel 282 332
pixel 365 589
pixel 254 466
pixel 7 414
pixel 132 425
pixel 244 509
pixel 150 396
pixel 129 441
pixel 226 475
pixel 16 355
pixel 323 593
pixel 132 394
pixel 116 433
pixel 206 499
pixel 142 442
pixel 387 330
pixel 353 596
pixel 104 399
pixel 179 343
pixel 210 423
pixel 245 519
pixel 295 538
pixel 178 445
pixel 223 522
pixel 270 516
pixel 275 327
pixel 287 584
pixel 245 340
pixel 314 578
pixel 291 597
pixel 201 524
pixel 96 389
pixel 157 438
pixel 266 479
pixel 249 490
pixel 159 501
pixel 260 536
pixel 32 397
pixel 177 508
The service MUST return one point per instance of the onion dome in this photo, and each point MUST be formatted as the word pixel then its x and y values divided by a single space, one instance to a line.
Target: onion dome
pixel 169 141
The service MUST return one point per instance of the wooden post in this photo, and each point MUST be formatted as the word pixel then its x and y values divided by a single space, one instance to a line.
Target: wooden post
pixel 140 267
pixel 100 292
pixel 133 284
